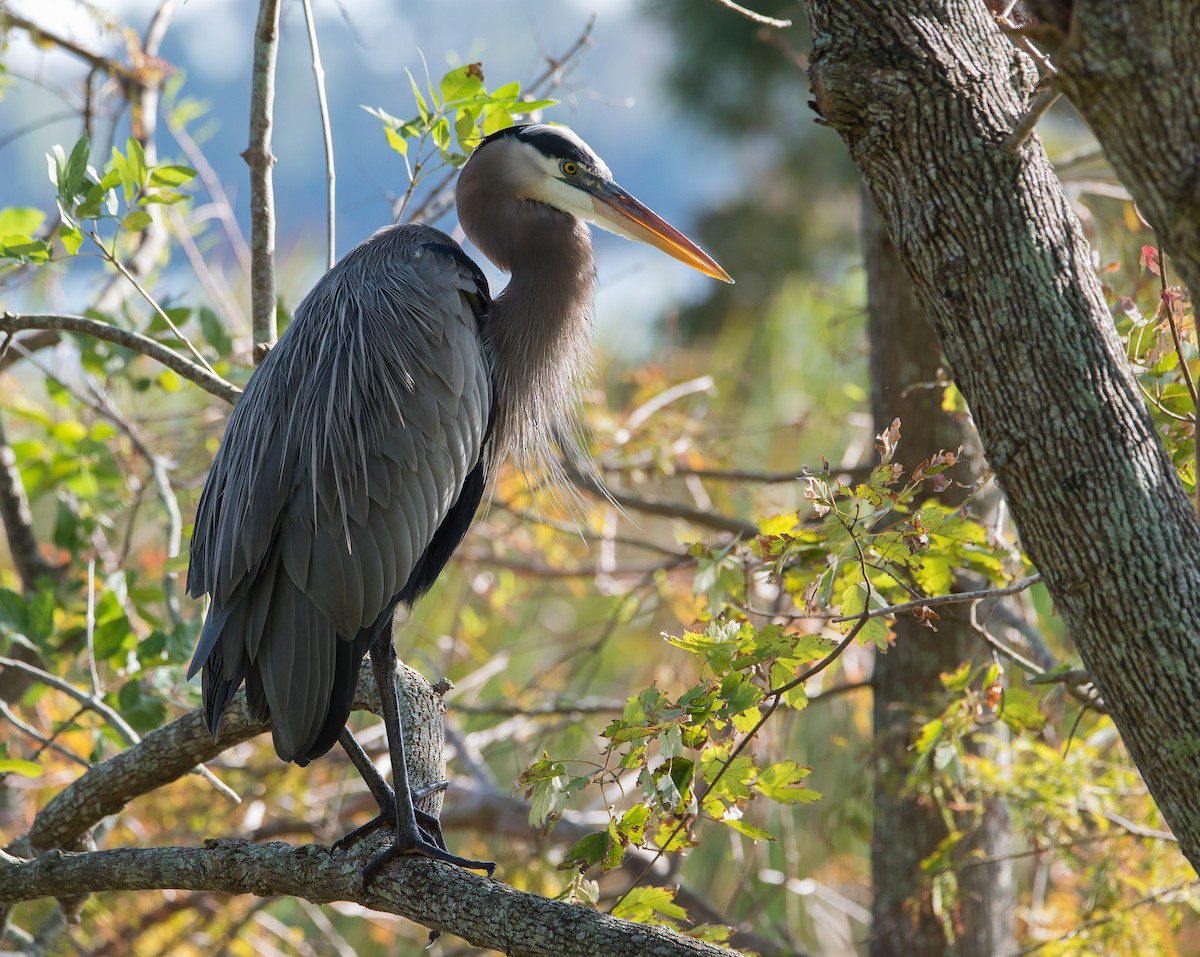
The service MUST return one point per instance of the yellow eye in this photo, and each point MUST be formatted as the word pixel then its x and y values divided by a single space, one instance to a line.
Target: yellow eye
pixel 570 168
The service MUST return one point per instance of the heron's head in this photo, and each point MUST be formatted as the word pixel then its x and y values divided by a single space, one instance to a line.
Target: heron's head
pixel 551 165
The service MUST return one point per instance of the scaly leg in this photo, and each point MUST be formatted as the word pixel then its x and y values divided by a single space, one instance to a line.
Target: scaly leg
pixel 385 797
pixel 409 838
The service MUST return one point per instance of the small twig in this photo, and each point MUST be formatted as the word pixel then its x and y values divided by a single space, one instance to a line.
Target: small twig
pixel 555 708
pixel 39 35
pixel 44 741
pixel 159 470
pixel 220 199
pixel 91 627
pixel 1037 109
pixel 755 17
pixel 552 75
pixel 644 412
pixel 209 381
pixel 776 696
pixel 259 158
pixel 111 256
pixel 94 703
pixel 90 701
pixel 950 599
pixel 715 520
pixel 326 132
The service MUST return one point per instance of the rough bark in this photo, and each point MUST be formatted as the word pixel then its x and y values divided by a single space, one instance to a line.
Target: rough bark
pixel 1128 67
pixel 905 358
pixel 486 912
pixel 926 93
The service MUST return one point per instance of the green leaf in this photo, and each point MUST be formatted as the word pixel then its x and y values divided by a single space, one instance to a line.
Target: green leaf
pixel 214 332
pixel 525 107
pixel 544 783
pixel 464 129
pixel 20 220
pixel 171 175
pixel 27 769
pixel 632 826
pixel 70 237
pixel 69 433
pixel 24 249
pixel 71 183
pixel 650 905
pixel 586 851
pixel 422 106
pixel 143 712
pixel 138 170
pixel 781 782
pixel 1020 711
pixel 441 134
pixel 396 141
pixel 137 220
pixel 462 83
pixel 751 831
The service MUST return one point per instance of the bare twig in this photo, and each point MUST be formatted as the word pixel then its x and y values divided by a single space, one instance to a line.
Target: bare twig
pixel 210 382
pixel 259 158
pixel 159 470
pixel 326 133
pixel 89 701
pixel 755 17
pixel 37 736
pixel 951 599
pixel 591 483
pixel 93 703
pixel 220 199
pixel 40 35
pixel 1029 121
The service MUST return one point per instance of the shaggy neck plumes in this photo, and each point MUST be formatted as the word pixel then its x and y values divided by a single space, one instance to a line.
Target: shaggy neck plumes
pixel 538 333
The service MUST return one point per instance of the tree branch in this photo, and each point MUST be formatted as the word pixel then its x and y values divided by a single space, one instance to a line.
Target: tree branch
pixel 1126 67
pixel 214 384
pixel 259 158
pixel 483 911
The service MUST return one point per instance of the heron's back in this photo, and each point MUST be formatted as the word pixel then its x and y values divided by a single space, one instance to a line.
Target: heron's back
pixel 349 472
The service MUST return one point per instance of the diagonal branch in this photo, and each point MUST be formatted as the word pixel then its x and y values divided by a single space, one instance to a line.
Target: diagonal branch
pixel 12 323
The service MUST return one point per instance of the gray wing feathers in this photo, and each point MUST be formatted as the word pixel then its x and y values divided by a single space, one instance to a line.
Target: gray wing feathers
pixel 347 450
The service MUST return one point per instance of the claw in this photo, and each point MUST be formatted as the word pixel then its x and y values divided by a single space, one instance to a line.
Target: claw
pixel 417 844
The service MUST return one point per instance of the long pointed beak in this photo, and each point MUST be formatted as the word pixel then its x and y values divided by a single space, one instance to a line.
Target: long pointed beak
pixel 618 211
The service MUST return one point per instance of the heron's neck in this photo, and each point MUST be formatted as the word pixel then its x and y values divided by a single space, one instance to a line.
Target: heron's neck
pixel 539 330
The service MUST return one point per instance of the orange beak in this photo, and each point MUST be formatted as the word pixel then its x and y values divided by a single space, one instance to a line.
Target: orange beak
pixel 619 212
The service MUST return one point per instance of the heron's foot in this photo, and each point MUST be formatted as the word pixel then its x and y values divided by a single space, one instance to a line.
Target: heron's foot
pixel 430 827
pixel 417 843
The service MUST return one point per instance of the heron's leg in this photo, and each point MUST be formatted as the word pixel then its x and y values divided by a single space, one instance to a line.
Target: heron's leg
pixel 409 839
pixel 385 797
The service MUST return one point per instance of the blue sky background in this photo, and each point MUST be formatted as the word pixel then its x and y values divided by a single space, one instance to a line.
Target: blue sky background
pixel 613 97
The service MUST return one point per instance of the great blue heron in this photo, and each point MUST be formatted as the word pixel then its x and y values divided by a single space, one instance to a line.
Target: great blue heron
pixel 355 459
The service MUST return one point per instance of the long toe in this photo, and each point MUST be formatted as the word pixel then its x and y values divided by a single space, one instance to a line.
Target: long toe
pixel 386 819
pixel 419 846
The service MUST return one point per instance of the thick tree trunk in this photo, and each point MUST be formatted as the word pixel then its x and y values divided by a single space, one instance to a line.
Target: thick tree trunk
pixel 926 94
pixel 907 680
pixel 1128 66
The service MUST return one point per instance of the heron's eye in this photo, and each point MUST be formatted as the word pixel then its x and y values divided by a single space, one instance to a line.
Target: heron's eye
pixel 569 168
